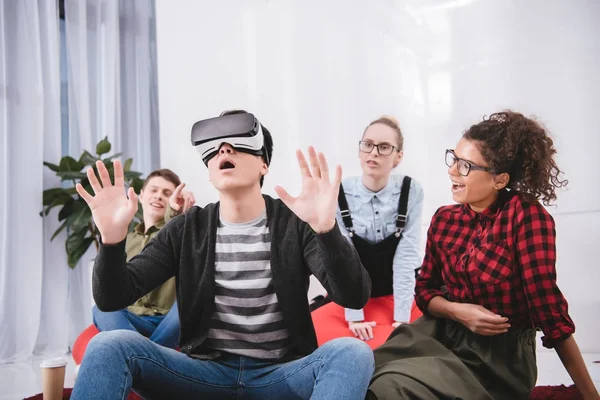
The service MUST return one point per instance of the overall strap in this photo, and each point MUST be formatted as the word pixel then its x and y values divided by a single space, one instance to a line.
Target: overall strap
pixel 402 206
pixel 345 211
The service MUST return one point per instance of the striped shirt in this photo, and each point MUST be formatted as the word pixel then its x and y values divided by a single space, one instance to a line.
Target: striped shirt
pixel 246 319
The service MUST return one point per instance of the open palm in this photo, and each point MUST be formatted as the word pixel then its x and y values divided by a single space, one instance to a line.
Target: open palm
pixel 111 209
pixel 317 202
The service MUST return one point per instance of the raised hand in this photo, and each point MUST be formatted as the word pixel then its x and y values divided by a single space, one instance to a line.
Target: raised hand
pixel 317 202
pixel 480 320
pixel 181 200
pixel 112 210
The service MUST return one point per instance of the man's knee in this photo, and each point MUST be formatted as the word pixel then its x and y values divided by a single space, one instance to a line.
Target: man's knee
pixel 112 341
pixel 352 350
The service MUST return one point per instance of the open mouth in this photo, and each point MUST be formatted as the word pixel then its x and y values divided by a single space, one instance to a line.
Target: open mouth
pixel 457 187
pixel 156 205
pixel 226 164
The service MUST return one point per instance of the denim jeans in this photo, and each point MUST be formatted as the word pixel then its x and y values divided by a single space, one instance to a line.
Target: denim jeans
pixel 117 361
pixel 161 329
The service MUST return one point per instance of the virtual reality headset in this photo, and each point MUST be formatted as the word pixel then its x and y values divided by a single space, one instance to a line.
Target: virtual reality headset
pixel 242 131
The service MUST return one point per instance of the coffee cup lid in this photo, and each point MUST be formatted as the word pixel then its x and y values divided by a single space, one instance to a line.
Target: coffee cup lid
pixel 54 362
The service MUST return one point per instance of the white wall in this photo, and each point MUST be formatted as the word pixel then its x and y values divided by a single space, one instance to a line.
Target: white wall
pixel 317 72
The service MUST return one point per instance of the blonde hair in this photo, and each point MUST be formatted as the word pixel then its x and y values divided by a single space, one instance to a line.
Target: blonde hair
pixel 392 122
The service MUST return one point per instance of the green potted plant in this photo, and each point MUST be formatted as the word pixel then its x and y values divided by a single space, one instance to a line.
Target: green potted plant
pixel 74 215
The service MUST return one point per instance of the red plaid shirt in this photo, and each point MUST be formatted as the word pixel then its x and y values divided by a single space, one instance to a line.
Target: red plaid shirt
pixel 502 259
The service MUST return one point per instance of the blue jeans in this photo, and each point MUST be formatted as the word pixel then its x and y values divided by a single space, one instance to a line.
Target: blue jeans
pixel 117 361
pixel 161 329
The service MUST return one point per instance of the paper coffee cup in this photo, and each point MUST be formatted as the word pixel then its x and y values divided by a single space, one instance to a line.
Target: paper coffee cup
pixel 53 377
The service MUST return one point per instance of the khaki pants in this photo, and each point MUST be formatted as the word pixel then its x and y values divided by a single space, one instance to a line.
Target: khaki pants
pixel 435 358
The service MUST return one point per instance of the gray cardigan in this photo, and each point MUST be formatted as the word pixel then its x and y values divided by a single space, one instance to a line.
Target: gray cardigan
pixel 185 248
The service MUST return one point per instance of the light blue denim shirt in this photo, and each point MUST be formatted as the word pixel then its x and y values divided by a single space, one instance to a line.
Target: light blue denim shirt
pixel 374 219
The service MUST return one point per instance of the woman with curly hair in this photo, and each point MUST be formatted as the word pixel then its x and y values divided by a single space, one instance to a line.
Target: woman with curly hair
pixel 488 279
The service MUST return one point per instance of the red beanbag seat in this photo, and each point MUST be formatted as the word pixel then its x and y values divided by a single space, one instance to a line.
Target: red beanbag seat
pixel 82 341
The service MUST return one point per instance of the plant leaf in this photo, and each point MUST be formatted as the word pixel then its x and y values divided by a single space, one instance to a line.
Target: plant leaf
pixel 137 185
pixel 116 155
pixel 78 252
pixel 68 164
pixel 70 175
pixel 50 195
pixel 67 210
pixel 59 230
pixel 103 146
pixel 127 164
pixel 57 199
pixel 75 239
pixel 130 175
pixel 53 167
pixel 87 158
pixel 80 217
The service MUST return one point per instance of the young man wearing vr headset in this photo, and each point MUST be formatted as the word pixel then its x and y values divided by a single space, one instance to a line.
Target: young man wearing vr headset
pixel 242 267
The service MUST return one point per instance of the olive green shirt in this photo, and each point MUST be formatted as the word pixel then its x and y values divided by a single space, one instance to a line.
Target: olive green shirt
pixel 160 300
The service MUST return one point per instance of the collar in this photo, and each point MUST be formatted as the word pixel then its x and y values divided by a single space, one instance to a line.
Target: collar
pixel 367 195
pixel 492 211
pixel 140 228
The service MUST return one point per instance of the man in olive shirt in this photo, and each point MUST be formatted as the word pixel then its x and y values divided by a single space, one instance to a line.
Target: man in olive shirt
pixel 154 315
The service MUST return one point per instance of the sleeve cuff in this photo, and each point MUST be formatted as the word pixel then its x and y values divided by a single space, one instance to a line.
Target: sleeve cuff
pixel 354 315
pixel 550 341
pixel 425 297
pixel 332 240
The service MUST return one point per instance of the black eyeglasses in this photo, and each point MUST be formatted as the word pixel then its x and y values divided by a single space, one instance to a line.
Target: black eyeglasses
pixel 463 166
pixel 383 149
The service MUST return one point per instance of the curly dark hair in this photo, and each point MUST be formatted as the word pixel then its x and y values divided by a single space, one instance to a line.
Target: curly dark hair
pixel 521 147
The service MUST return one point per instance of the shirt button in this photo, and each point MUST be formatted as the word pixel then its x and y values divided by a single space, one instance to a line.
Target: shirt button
pixel 189 347
pixel 378 230
pixel 377 212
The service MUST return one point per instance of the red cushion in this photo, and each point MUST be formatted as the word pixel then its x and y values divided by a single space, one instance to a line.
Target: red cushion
pixel 82 342
pixel 330 323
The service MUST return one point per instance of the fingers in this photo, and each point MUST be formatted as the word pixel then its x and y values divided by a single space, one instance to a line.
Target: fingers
pixel 488 312
pixel 314 162
pixel 178 190
pixel 188 201
pixel 490 332
pixel 489 329
pixel 337 178
pixel 304 171
pixel 133 201
pixel 287 199
pixel 360 332
pixel 119 178
pixel 323 167
pixel 369 331
pixel 103 172
pixel 363 330
pixel 93 180
pixel 494 319
pixel 84 194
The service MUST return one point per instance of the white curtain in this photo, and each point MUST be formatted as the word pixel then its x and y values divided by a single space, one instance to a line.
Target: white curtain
pixel 110 61
pixel 111 65
pixel 29 134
